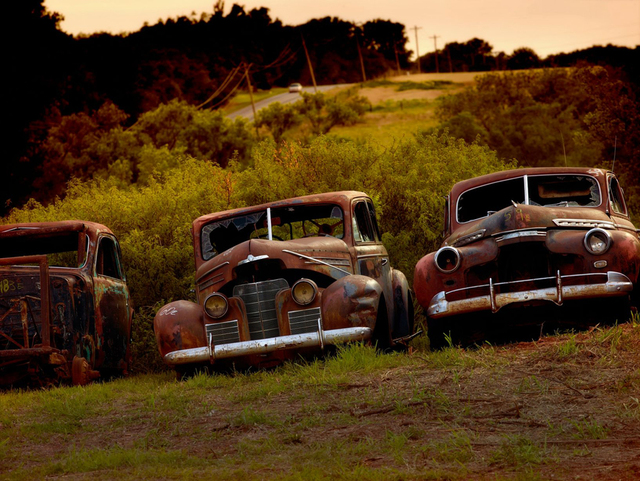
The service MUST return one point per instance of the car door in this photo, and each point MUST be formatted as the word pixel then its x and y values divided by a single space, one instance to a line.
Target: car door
pixel 372 259
pixel 112 306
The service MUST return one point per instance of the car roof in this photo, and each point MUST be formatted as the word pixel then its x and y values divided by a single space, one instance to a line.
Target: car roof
pixel 43 228
pixel 343 198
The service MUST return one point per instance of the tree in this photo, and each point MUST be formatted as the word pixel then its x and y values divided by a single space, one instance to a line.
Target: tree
pixel 523 58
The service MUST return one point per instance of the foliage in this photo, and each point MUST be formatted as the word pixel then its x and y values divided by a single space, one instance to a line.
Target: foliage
pixel 97 145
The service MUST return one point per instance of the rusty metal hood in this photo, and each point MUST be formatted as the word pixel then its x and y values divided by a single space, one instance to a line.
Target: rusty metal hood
pixel 522 216
pixel 291 254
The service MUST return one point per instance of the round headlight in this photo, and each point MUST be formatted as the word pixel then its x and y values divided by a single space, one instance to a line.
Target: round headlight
pixel 597 241
pixel 304 291
pixel 216 305
pixel 447 259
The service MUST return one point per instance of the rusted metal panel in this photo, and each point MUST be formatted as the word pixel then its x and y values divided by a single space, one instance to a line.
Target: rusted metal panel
pixel 287 271
pixel 524 236
pixel 56 306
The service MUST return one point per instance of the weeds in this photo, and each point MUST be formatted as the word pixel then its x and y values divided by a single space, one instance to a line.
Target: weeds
pixel 518 450
pixel 589 429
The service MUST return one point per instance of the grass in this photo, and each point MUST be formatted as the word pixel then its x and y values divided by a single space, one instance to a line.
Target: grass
pixel 359 414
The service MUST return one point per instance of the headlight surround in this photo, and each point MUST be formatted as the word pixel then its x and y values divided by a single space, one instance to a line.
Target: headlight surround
pixel 216 305
pixel 597 241
pixel 304 291
pixel 447 259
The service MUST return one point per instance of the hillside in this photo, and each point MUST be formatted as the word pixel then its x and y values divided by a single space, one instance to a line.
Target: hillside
pixel 565 407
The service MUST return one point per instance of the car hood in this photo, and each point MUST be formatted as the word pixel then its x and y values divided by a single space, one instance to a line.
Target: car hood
pixel 522 216
pixel 292 254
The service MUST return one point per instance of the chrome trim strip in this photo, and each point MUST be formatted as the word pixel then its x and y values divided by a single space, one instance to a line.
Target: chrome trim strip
pixel 616 284
pixel 211 270
pixel 603 224
pixel 264 346
pixel 522 233
pixel 315 260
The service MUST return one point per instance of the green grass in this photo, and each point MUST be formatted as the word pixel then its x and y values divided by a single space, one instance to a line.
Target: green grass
pixel 357 414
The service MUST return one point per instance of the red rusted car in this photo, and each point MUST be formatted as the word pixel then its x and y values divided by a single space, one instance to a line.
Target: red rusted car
pixel 542 238
pixel 65 313
pixel 286 278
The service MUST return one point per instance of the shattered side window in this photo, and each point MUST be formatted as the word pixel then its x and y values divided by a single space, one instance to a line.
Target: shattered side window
pixel 616 197
pixel 563 191
pixel 488 199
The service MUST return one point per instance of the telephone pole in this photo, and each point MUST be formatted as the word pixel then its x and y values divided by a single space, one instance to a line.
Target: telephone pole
pixel 435 44
pixel 417 49
pixel 313 78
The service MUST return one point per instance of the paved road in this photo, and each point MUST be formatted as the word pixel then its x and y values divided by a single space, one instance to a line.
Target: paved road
pixel 286 98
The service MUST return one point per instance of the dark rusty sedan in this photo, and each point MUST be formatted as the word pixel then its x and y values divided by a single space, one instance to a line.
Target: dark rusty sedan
pixel 530 238
pixel 286 278
pixel 65 313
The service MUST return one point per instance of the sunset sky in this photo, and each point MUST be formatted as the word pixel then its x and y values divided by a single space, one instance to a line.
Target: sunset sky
pixel 546 26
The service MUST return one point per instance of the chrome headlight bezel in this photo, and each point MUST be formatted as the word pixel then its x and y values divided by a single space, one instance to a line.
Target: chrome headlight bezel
pixel 219 312
pixel 296 295
pixel 601 234
pixel 440 262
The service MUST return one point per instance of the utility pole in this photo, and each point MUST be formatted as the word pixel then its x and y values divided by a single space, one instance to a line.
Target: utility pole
pixel 417 49
pixel 395 50
pixel 435 44
pixel 364 76
pixel 313 78
pixel 246 73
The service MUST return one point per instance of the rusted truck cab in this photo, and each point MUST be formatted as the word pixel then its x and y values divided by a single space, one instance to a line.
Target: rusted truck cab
pixel 284 278
pixel 65 313
pixel 530 238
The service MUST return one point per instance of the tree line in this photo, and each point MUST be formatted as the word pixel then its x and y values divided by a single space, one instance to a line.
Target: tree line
pixel 55 79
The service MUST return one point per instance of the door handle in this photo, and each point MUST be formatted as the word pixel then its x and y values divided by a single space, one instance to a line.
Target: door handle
pixel 385 261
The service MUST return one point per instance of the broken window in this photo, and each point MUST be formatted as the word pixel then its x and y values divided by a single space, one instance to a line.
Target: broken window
pixel 287 223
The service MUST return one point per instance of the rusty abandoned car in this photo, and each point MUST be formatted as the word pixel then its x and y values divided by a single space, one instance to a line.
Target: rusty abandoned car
pixel 65 313
pixel 282 279
pixel 536 237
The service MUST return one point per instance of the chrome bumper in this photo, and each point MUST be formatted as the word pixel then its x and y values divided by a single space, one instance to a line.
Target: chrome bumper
pixel 616 284
pixel 263 346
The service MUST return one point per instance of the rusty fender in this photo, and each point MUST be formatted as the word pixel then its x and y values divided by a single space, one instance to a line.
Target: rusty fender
pixel 351 301
pixel 272 344
pixel 402 305
pixel 179 325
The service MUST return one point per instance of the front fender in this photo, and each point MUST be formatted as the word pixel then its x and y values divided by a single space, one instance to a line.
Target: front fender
pixel 179 325
pixel 402 306
pixel 351 302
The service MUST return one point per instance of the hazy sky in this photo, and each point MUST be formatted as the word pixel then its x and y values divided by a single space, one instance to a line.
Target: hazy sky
pixel 546 26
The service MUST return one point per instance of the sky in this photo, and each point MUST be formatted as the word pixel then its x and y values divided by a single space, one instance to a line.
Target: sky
pixel 546 26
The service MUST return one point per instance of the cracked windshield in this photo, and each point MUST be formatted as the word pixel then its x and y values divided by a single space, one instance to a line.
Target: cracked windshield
pixel 287 223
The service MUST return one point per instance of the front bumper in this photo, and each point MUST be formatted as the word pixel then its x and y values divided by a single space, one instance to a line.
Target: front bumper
pixel 614 284
pixel 264 346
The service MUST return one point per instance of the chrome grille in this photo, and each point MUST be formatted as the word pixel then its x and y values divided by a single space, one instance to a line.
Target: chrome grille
pixel 259 300
pixel 223 332
pixel 304 321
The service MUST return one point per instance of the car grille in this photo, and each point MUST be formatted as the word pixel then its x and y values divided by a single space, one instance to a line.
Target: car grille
pixel 304 321
pixel 259 300
pixel 223 333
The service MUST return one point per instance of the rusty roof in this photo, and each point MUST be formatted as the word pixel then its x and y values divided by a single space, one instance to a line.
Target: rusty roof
pixel 43 228
pixel 342 197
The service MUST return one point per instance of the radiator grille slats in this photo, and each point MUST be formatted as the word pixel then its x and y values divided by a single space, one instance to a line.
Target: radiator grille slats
pixel 304 321
pixel 223 333
pixel 259 301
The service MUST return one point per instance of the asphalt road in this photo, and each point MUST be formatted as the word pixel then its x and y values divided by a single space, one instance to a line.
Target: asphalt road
pixel 286 98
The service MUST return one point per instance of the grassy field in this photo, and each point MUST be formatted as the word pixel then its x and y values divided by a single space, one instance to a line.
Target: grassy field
pixel 564 407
